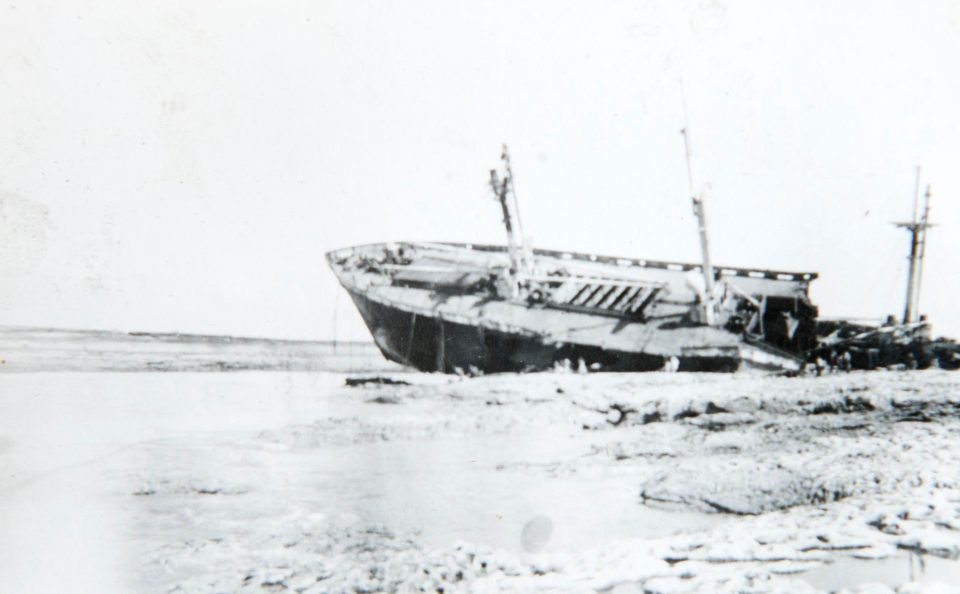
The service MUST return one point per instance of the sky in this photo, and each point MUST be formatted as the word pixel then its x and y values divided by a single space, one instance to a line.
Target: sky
pixel 182 166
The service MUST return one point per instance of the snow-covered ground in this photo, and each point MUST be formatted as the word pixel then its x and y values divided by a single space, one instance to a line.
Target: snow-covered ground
pixel 26 349
pixel 295 482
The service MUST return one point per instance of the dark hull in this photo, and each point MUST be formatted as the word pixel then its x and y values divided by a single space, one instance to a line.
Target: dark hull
pixel 433 344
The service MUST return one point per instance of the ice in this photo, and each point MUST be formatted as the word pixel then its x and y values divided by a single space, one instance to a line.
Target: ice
pixel 258 482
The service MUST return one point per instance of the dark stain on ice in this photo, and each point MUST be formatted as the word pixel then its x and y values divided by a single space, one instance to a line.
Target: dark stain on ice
pixel 915 417
pixel 622 412
pixel 274 586
pixel 723 509
pixel 830 547
pixel 354 382
pixel 652 417
pixel 713 409
pixel 942 552
pixel 847 405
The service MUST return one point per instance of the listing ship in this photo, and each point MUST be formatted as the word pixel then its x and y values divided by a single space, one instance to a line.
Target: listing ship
pixel 459 308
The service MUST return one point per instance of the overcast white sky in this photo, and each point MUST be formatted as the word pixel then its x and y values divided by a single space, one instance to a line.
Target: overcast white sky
pixel 183 166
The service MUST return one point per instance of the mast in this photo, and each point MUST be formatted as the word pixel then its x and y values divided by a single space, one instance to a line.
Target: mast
pixel 526 257
pixel 506 195
pixel 500 190
pixel 925 224
pixel 916 230
pixel 698 210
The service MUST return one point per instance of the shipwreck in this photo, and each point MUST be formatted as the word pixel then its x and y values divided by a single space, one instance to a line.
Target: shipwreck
pixel 906 343
pixel 459 308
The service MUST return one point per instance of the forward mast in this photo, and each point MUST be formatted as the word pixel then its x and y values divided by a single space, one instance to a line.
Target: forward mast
pixel 521 257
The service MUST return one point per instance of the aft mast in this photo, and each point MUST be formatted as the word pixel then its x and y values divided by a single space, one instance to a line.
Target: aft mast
pixel 923 251
pixel 918 238
pixel 709 304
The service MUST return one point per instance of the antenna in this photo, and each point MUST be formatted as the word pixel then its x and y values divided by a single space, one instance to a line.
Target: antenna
pixel 686 141
pixel 916 195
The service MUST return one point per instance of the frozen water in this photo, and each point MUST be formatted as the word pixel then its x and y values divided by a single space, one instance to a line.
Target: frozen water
pixel 924 571
pixel 251 481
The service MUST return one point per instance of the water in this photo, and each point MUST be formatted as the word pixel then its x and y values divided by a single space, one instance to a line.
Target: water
pixel 893 571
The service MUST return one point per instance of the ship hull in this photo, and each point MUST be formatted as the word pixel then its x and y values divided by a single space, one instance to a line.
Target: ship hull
pixel 434 344
pixel 436 307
